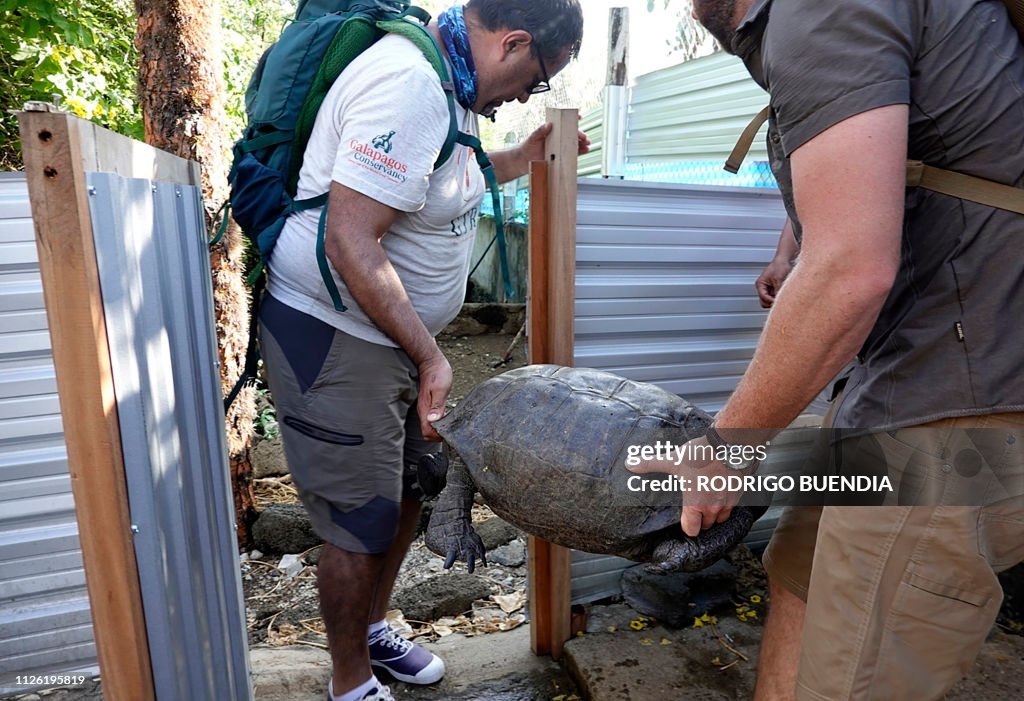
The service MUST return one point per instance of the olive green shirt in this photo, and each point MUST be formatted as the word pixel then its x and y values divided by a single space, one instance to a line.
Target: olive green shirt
pixel 949 340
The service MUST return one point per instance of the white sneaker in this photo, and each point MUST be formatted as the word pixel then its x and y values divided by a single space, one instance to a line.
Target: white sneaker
pixel 404 660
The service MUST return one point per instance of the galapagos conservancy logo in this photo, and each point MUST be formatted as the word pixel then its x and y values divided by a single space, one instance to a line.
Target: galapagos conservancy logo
pixel 383 142
pixel 373 157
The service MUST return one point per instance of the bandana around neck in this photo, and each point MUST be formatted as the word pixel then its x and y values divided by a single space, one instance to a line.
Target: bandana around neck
pixel 452 26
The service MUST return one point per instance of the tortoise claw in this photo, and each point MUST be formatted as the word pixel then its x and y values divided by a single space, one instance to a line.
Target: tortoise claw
pixel 466 546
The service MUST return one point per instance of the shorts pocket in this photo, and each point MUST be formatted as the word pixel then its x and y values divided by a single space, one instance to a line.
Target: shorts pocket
pixel 323 434
pixel 949 589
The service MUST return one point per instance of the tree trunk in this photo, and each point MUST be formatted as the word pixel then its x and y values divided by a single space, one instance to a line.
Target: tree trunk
pixel 182 97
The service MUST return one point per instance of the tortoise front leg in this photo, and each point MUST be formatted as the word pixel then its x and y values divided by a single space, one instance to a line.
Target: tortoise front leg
pixel 687 554
pixel 450 533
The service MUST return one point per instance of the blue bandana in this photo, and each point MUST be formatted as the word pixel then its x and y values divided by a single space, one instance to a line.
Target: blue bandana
pixel 452 25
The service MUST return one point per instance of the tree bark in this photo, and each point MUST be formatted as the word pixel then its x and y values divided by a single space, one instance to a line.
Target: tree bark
pixel 182 97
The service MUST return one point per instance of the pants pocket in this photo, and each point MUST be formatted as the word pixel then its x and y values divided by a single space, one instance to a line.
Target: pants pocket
pixel 1001 533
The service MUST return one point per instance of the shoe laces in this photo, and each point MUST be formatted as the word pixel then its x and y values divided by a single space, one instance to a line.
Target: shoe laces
pixel 392 639
pixel 381 693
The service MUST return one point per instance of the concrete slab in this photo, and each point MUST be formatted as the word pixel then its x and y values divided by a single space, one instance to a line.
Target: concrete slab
pixel 614 662
pixel 617 661
pixel 495 667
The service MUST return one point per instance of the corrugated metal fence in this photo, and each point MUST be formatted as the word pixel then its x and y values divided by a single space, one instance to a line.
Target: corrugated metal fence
pixel 665 282
pixel 45 626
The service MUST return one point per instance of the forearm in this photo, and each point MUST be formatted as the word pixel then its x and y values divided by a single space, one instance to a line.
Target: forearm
pixel 787 248
pixel 800 352
pixel 849 256
pixel 510 164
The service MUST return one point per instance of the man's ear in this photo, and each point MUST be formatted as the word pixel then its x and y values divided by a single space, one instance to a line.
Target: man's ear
pixel 516 40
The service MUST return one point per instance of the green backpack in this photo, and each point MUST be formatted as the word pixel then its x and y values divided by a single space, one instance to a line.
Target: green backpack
pixel 286 90
pixel 946 182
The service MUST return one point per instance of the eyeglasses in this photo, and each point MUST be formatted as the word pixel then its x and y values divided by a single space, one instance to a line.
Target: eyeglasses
pixel 544 84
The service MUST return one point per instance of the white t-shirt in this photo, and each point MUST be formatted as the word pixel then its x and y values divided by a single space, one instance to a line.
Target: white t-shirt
pixel 379 131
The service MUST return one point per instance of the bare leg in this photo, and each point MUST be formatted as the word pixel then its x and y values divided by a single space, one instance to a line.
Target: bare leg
pixel 780 646
pixel 346 581
pixel 393 558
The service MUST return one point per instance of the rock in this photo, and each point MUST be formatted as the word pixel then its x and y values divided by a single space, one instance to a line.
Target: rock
pixel 439 596
pixel 495 532
pixel 668 597
pixel 268 459
pixel 465 326
pixel 511 555
pixel 313 556
pixel 284 528
pixel 516 319
pixel 291 565
pixel 480 318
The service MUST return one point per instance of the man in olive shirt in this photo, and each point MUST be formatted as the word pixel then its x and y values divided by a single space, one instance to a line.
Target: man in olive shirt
pixel 925 291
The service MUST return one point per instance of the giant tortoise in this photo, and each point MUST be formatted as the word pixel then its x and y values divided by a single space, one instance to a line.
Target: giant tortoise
pixel 545 446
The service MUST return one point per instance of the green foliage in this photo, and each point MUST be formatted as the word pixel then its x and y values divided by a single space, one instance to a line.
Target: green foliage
pixel 80 53
pixel 248 27
pixel 265 426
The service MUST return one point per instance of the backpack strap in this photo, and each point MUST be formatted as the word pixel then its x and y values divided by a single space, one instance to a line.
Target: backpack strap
pixel 742 147
pixel 966 187
pixel 487 168
pixel 946 182
pixel 418 35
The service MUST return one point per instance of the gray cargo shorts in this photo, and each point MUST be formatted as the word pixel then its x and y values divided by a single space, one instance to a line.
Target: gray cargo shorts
pixel 347 413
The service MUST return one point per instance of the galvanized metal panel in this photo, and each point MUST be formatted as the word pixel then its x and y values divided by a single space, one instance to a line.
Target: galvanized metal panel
pixel 592 123
pixel 665 282
pixel 694 111
pixel 595 577
pixel 155 276
pixel 45 627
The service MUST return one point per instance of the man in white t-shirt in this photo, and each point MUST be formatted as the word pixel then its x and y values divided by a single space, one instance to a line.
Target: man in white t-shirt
pixel 356 390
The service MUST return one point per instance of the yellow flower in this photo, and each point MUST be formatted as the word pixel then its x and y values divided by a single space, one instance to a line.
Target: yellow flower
pixel 755 599
pixel 697 623
pixel 646 642
pixel 638 623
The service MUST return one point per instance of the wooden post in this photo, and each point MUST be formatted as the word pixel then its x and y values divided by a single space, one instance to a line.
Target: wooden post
pixel 561 149
pixel 53 152
pixel 551 324
pixel 538 293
